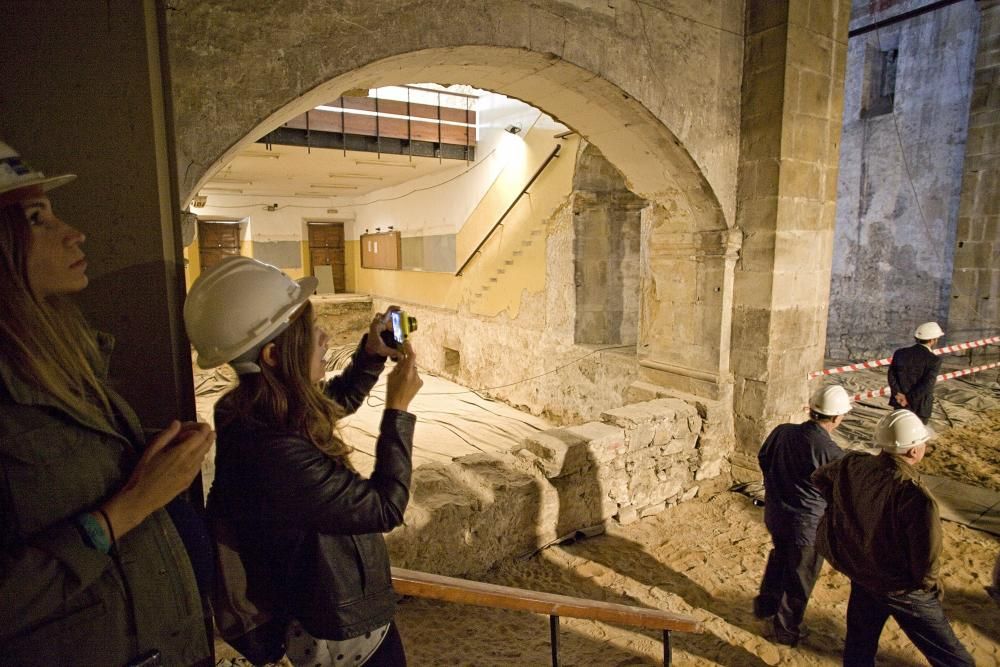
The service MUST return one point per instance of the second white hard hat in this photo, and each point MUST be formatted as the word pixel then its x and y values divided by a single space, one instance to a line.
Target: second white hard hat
pixel 901 430
pixel 831 400
pixel 238 304
pixel 928 331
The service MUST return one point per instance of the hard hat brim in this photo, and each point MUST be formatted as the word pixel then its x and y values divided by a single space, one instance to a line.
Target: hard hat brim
pixel 45 182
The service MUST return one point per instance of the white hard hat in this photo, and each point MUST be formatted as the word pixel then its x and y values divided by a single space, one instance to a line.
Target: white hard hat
pixel 901 430
pixel 831 400
pixel 15 175
pixel 238 304
pixel 928 331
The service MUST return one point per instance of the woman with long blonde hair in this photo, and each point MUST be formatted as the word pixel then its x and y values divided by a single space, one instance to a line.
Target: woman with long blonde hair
pixel 93 569
pixel 308 526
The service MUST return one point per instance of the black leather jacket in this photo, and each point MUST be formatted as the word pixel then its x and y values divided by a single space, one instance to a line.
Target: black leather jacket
pixel 312 527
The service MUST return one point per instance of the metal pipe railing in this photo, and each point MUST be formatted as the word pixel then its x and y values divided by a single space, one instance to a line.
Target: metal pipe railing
pixel 552 155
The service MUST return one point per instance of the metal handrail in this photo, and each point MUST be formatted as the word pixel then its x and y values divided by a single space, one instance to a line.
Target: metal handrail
pixel 464 591
pixel 553 154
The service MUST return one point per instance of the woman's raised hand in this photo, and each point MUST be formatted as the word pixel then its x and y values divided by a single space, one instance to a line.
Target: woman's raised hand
pixel 168 466
pixel 403 382
pixel 374 344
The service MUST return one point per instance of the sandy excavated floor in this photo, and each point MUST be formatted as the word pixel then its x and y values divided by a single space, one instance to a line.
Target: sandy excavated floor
pixel 705 558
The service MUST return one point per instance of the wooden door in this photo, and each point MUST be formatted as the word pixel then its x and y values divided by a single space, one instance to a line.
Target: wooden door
pixel 217 240
pixel 326 248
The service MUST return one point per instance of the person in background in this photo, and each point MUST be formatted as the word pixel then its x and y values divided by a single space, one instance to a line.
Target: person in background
pixel 308 525
pixel 913 372
pixel 93 570
pixel 882 529
pixel 792 510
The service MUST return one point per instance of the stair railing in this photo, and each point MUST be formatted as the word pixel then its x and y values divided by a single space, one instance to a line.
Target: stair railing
pixel 552 155
pixel 464 591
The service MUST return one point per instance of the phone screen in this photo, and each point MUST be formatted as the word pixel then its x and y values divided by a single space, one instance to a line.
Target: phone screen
pixel 397 327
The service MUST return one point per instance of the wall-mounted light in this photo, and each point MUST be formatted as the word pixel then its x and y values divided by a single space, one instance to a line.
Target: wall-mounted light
pixel 513 128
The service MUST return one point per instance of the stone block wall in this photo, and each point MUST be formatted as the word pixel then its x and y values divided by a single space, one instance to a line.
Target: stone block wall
pixel 975 298
pixel 637 460
pixel 900 174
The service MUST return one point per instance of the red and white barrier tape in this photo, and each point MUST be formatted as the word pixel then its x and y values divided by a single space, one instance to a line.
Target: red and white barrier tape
pixel 875 363
pixel 884 391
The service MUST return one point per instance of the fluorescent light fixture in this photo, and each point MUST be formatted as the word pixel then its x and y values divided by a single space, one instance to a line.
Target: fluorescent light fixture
pixel 333 186
pixel 237 191
pixel 369 177
pixel 314 195
pixel 383 163
pixel 270 156
pixel 236 181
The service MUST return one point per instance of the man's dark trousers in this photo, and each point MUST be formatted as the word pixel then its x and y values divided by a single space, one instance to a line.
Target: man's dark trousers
pixel 789 577
pixel 919 615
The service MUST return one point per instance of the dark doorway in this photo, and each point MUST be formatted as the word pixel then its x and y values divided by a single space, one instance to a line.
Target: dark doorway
pixel 326 248
pixel 217 240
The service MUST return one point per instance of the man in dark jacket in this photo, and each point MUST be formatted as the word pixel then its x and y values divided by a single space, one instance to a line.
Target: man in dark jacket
pixel 792 510
pixel 882 530
pixel 914 371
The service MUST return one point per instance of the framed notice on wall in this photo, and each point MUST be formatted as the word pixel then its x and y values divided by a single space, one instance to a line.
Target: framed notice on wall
pixel 380 251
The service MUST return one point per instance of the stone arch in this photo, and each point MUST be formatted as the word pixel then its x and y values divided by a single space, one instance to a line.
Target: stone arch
pixel 656 166
pixel 666 114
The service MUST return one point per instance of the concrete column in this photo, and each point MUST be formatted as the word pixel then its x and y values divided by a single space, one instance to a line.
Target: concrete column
pixel 975 302
pixel 793 79
pixel 82 91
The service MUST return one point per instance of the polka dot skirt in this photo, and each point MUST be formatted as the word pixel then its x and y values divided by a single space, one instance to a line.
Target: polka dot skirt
pixel 304 650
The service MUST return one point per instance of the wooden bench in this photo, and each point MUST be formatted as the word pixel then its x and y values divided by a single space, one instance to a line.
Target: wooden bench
pixel 464 591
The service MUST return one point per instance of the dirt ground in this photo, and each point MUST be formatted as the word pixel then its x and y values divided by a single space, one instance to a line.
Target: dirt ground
pixel 705 558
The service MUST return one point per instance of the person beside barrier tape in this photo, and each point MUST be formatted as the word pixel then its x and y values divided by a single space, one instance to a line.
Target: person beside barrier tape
pixel 792 510
pixel 882 530
pixel 99 560
pixel 913 372
pixel 303 566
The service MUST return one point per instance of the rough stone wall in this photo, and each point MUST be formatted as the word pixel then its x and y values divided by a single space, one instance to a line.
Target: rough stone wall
pixel 975 303
pixel 900 177
pixel 469 514
pixel 792 89
pixel 606 220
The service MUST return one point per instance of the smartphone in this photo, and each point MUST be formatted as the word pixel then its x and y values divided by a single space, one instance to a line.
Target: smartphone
pixel 398 334
pixel 402 326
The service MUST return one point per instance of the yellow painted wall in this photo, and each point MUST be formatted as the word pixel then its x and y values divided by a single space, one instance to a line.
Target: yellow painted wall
pixel 193 267
pixel 527 272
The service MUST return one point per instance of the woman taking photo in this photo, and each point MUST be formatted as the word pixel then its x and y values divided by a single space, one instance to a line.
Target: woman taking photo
pixel 309 526
pixel 92 571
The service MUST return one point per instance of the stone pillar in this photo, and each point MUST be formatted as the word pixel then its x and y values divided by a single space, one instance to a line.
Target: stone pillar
pixel 793 80
pixel 975 302
pixel 82 90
